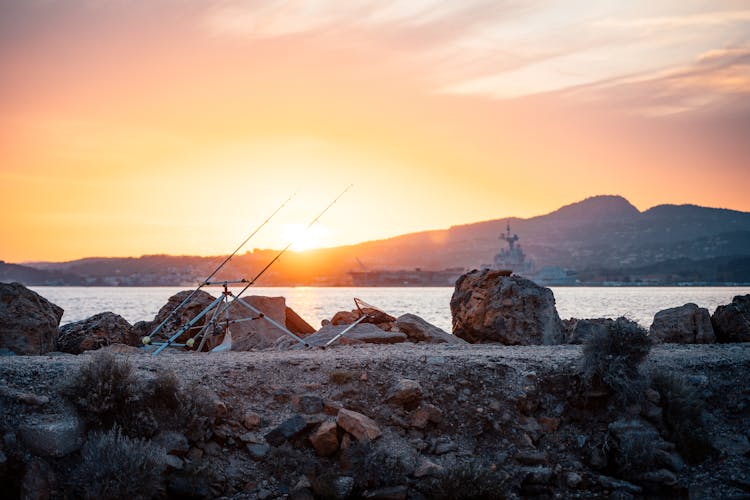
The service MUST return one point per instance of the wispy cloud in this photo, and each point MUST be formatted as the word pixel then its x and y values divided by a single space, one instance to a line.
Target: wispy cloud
pixel 716 78
pixel 506 49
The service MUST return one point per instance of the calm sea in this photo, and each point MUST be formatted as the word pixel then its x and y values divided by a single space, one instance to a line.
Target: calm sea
pixel 433 304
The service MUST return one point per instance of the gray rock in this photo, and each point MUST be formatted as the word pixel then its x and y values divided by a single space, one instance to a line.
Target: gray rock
pixel 173 462
pixel 573 479
pixel 732 321
pixel 532 457
pixel 419 330
pixel 661 476
pixel 258 451
pixel 537 475
pixel 93 333
pixel 488 307
pixel 28 321
pixel 309 404
pixel 343 486
pixel 688 324
pixel 618 484
pixel 173 442
pixel 444 445
pixel 363 333
pixel 53 436
pixel 427 468
pixel 390 493
pixel 289 429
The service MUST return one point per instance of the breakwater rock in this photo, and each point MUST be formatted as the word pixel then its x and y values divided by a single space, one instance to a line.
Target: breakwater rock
pixel 488 306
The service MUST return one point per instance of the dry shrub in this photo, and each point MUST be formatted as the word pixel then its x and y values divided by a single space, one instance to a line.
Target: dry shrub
pixel 612 357
pixel 114 466
pixel 102 390
pixel 106 393
pixel 683 407
pixel 375 468
pixel 468 481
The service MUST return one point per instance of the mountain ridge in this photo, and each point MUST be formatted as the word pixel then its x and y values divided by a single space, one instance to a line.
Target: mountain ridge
pixel 599 232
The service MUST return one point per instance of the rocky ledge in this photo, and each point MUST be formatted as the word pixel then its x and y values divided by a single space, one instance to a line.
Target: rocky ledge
pixel 400 421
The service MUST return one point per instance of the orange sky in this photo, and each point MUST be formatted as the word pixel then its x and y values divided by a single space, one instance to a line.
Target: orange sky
pixel 177 126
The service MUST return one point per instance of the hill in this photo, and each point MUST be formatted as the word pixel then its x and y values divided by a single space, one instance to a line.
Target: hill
pixel 602 234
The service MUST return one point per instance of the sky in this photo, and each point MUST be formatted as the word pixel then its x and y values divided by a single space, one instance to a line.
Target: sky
pixel 178 126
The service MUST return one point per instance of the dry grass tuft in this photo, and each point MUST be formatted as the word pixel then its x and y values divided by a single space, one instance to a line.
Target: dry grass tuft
pixel 114 466
pixel 613 357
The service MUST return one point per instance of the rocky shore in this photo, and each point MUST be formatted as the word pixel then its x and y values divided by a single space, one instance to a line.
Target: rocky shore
pixel 517 404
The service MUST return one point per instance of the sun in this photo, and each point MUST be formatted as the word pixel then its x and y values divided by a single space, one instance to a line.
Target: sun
pixel 304 238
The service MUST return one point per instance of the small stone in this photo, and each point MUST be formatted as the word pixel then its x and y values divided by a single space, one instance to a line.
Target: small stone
pixel 671 461
pixel 343 486
pixel 346 441
pixel 427 468
pixel 444 445
pixel 212 448
pixel 361 427
pixel 264 494
pixel 532 428
pixel 549 424
pixel 390 493
pixel 405 393
pixel 195 454
pixel 661 476
pixel 173 442
pixel 174 462
pixel 307 404
pixel 290 428
pixel 573 480
pixel 331 407
pixel 325 440
pixel 220 408
pixel 618 484
pixel 258 451
pixel 32 399
pixel 537 475
pixel 652 396
pixel 425 414
pixel 532 457
pixel 251 420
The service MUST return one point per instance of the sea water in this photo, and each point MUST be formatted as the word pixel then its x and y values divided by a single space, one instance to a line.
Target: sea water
pixel 433 304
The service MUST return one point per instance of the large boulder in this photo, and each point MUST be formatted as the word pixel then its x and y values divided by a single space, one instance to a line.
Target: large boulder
pixel 419 330
pixel 257 333
pixel 197 303
pixel 98 331
pixel 28 321
pixel 732 322
pixel 52 435
pixel 688 324
pixel 296 324
pixel 512 310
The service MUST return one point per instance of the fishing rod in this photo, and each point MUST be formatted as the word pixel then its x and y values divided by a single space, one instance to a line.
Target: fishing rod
pixel 282 252
pixel 206 281
pixel 225 307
